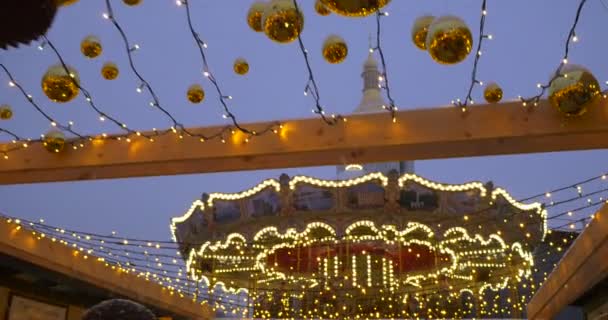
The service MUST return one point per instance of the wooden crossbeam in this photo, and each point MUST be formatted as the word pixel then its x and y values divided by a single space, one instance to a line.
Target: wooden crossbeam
pixel 56 257
pixel 434 133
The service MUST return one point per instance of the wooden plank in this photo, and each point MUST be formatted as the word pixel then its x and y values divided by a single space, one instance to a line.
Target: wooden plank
pixel 444 132
pixel 59 258
pixel 581 267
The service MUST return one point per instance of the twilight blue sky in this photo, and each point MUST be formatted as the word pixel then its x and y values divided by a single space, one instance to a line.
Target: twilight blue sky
pixel 528 44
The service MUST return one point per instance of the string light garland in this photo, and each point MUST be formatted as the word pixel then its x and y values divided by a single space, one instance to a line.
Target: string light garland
pixel 384 77
pixel 202 45
pixel 311 85
pixel 534 100
pixel 474 81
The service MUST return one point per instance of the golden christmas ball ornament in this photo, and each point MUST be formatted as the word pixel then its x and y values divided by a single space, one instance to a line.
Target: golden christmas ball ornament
pixel 254 16
pixel 54 141
pixel 335 49
pixel 355 8
pixel 241 66
pixel 63 3
pixel 6 112
pixel 91 47
pixel 196 94
pixel 282 22
pixel 573 91
pixel 321 9
pixel 492 93
pixel 132 2
pixel 420 30
pixel 109 71
pixel 59 85
pixel 449 40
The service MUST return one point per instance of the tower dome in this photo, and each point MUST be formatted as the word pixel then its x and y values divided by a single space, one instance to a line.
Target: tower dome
pixel 372 101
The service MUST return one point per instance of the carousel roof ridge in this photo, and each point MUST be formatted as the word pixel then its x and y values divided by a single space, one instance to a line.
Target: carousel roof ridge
pixel 208 199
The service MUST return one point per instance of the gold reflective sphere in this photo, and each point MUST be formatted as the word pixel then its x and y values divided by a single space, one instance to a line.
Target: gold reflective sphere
pixel 132 2
pixel 6 112
pixel 196 94
pixel 321 9
pixel 60 3
pixel 254 16
pixel 110 71
pixel 574 90
pixel 91 47
pixel 282 22
pixel 355 8
pixel 449 40
pixel 420 30
pixel 492 93
pixel 58 85
pixel 335 49
pixel 241 66
pixel 54 141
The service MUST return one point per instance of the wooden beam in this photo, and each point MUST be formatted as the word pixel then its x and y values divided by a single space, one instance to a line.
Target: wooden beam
pixel 581 267
pixel 59 258
pixel 444 132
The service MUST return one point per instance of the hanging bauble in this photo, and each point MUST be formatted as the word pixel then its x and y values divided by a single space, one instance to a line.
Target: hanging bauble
pixel 355 8
pixel 59 85
pixel 110 71
pixel 492 93
pixel 241 66
pixel 321 9
pixel 449 40
pixel 6 112
pixel 196 94
pixel 572 92
pixel 54 141
pixel 254 16
pixel 62 3
pixel 335 49
pixel 91 47
pixel 282 22
pixel 23 21
pixel 132 2
pixel 420 30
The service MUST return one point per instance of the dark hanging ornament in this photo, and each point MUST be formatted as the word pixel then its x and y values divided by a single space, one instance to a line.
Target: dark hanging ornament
pixel 22 21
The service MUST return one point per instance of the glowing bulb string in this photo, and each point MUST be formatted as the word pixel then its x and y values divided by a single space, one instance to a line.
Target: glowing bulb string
pixel 561 214
pixel 114 256
pixel 544 87
pixel 110 15
pixel 210 76
pixel 102 115
pixel 15 137
pixel 30 99
pixel 391 108
pixel 474 81
pixel 311 85
pixel 572 223
pixel 176 126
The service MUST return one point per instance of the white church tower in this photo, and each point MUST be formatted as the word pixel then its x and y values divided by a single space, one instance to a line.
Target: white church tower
pixel 372 101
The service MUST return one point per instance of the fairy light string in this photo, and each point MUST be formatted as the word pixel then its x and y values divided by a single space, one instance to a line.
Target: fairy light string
pixel 311 87
pixel 202 45
pixel 14 83
pixel 474 80
pixel 534 100
pixel 384 78
pixel 130 49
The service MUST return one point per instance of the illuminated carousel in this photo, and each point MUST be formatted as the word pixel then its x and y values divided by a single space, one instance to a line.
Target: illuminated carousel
pixel 378 245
